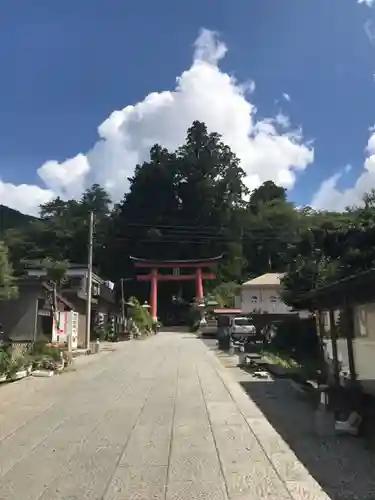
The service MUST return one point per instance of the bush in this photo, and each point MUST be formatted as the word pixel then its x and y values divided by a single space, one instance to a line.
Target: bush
pixel 194 318
pixel 17 364
pixel 109 334
pixel 5 361
pixel 46 350
pixel 140 315
pixel 297 337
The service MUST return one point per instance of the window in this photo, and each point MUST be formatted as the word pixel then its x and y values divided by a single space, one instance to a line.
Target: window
pixel 242 322
pixel 95 290
pixel 254 299
pixel 273 298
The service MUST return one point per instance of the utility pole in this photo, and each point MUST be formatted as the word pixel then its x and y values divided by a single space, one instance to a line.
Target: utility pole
pixel 122 304
pixel 89 280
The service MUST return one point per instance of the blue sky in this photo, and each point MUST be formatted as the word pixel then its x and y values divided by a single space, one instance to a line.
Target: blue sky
pixel 66 66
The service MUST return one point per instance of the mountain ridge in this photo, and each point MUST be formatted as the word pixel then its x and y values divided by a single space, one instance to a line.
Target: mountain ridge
pixel 12 219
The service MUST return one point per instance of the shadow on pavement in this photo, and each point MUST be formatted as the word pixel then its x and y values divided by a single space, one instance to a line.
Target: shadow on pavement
pixel 343 466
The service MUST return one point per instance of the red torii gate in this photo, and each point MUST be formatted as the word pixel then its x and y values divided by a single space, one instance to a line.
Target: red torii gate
pixel 154 276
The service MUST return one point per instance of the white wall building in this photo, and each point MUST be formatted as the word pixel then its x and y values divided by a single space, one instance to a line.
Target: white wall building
pixel 262 295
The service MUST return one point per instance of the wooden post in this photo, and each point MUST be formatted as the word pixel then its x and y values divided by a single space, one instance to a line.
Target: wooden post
pixel 321 332
pixel 349 334
pixel 333 331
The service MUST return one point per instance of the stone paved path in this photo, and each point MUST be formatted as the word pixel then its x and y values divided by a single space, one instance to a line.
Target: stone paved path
pixel 157 419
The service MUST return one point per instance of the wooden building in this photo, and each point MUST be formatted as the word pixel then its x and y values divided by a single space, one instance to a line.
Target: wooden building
pixel 345 314
pixel 28 318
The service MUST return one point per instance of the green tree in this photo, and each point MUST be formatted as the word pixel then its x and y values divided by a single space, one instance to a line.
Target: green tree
pixel 56 272
pixel 266 193
pixel 190 203
pixel 8 287
pixel 61 233
pixel 319 255
pixel 182 204
pixel 225 294
pixel 270 225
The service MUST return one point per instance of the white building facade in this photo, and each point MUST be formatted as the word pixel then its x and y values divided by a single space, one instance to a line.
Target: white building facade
pixel 263 295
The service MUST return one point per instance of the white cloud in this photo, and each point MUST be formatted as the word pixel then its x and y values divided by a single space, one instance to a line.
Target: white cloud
pixel 23 197
pixel 330 197
pixel 268 148
pixel 67 177
pixel 287 97
pixel 369 3
pixel 282 120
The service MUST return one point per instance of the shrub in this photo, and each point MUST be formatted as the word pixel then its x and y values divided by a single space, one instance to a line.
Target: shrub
pixel 194 318
pixel 140 315
pixel 5 361
pixel 16 364
pixel 297 337
pixel 47 350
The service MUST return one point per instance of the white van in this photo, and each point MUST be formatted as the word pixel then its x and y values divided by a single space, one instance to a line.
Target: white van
pixel 241 326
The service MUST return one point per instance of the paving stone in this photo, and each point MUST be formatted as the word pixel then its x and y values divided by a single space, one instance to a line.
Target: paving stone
pixel 224 414
pixel 154 412
pixel 237 446
pixel 200 465
pixel 197 490
pixel 149 445
pixel 289 467
pixel 271 440
pixel 86 475
pixel 308 490
pixel 255 482
pixel 137 483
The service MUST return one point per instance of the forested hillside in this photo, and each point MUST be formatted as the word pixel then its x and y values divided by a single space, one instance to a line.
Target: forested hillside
pixel 10 219
pixel 193 203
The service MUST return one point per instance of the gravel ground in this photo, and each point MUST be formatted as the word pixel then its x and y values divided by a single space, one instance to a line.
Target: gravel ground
pixel 343 466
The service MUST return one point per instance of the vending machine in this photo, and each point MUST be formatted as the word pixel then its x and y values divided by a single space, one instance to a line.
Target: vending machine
pixel 68 326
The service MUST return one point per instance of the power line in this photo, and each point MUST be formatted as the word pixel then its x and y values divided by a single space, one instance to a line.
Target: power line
pixel 205 228
pixel 199 240
pixel 266 233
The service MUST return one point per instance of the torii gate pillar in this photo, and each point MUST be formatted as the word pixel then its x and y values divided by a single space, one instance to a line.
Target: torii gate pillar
pixel 154 294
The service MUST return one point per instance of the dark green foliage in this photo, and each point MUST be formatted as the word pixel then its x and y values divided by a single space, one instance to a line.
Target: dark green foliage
pixel 11 219
pixel 5 361
pixel 297 337
pixel 194 318
pixel 140 315
pixel 8 286
pixel 43 349
pixel 225 294
pixel 190 203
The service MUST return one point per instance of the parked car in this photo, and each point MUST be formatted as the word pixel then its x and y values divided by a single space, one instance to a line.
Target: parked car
pixel 208 327
pixel 242 328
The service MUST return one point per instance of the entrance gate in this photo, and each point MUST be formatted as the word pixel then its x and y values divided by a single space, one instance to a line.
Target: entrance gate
pixel 197 274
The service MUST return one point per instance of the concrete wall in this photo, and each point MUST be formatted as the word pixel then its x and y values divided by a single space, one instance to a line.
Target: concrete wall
pixel 18 316
pixel 237 301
